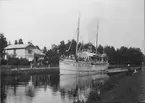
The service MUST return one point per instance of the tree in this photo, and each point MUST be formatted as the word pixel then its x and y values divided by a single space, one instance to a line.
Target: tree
pixel 111 53
pixel 67 47
pixel 37 47
pixel 123 55
pixel 53 46
pixel 90 46
pixel 62 48
pixel 44 50
pixel 52 57
pixel 3 44
pixel 20 41
pixel 100 49
pixel 73 47
pixel 80 46
pixel 16 42
pixel 135 56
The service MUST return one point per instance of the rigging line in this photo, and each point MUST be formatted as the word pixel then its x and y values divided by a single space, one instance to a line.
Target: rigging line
pixel 80 47
pixel 69 47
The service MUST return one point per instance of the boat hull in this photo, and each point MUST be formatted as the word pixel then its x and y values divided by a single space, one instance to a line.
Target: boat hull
pixel 73 67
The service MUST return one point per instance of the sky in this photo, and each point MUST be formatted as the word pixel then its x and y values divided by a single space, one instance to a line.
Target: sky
pixel 47 22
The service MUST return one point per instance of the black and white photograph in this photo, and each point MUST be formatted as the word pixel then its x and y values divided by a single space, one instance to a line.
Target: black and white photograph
pixel 72 51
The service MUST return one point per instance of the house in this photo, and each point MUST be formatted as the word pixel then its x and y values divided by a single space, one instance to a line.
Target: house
pixel 28 51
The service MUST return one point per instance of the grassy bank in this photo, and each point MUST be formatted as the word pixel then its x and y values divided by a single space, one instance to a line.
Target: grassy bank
pixel 121 66
pixel 24 70
pixel 122 88
pixel 9 67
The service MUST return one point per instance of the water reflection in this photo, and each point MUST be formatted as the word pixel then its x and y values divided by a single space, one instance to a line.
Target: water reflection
pixel 29 90
pixel 23 88
pixel 78 87
pixel 50 88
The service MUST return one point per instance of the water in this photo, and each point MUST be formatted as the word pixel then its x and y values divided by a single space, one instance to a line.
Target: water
pixel 48 88
pixel 69 89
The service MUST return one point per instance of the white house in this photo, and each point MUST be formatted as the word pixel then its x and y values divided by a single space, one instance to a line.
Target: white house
pixel 28 51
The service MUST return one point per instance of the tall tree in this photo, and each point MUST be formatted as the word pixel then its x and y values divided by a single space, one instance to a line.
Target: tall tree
pixel 21 41
pixel 3 44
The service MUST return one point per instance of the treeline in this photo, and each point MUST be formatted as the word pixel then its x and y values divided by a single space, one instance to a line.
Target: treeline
pixel 120 56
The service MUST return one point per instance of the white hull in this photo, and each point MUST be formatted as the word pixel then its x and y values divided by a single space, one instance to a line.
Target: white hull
pixel 72 67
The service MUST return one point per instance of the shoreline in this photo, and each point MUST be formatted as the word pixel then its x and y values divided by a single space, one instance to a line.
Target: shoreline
pixel 121 88
pixel 24 70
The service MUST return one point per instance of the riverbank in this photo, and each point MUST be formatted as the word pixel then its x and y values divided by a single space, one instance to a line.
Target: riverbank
pixel 122 88
pixel 24 70
pixel 121 66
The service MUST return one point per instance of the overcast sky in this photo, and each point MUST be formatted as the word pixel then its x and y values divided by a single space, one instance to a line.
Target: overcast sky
pixel 47 22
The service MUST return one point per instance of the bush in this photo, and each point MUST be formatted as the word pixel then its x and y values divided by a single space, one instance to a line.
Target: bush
pixel 24 62
pixel 17 61
pixel 3 62
pixel 13 61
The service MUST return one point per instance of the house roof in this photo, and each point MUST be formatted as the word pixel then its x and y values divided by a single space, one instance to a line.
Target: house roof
pixel 22 46
pixel 38 52
pixel 17 46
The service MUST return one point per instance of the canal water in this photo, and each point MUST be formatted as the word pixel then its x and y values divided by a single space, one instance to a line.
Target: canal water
pixel 57 88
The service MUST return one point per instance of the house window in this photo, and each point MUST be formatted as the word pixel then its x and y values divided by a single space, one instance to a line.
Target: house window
pixel 30 51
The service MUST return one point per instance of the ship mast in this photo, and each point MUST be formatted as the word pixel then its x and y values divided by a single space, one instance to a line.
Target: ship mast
pixel 77 36
pixel 97 39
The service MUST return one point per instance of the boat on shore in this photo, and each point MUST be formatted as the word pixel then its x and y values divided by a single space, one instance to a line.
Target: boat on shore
pixel 83 61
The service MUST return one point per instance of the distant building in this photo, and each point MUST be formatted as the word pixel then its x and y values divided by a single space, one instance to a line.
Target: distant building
pixel 28 51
